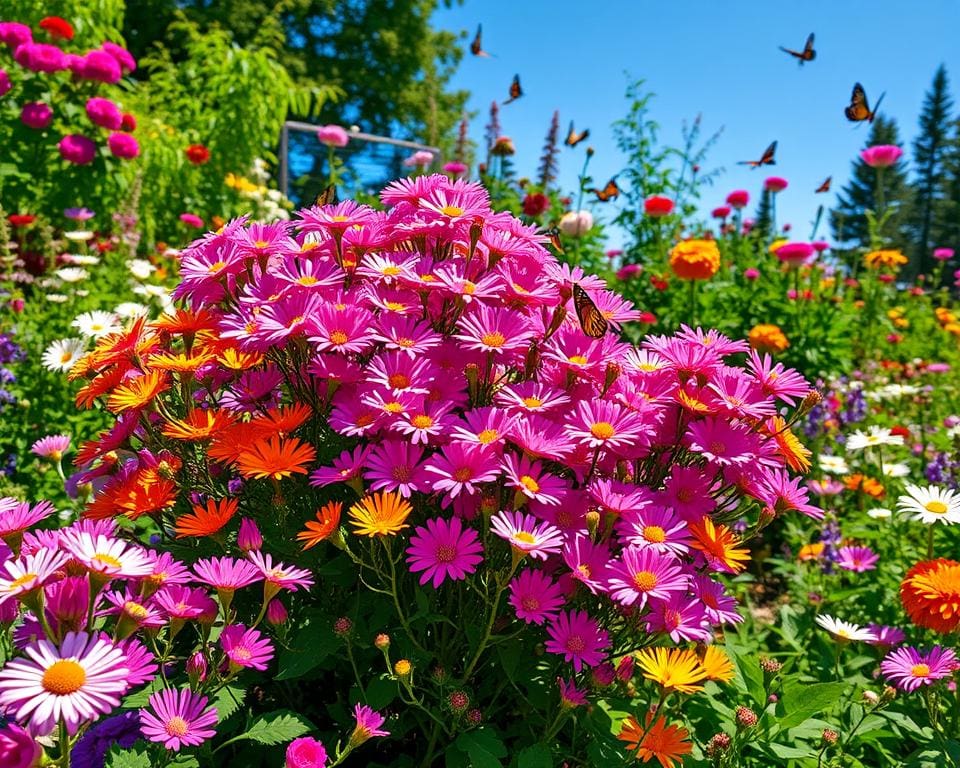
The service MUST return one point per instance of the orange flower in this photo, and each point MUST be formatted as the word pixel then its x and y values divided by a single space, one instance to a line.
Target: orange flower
pixel 236 360
pixel 144 493
pixel 283 421
pixel 124 346
pixel 206 521
pixel 931 595
pixel 182 363
pixel 232 441
pixel 718 543
pixel 99 386
pixel 275 458
pixel 788 444
pixel 665 742
pixel 137 393
pixel 695 259
pixel 717 664
pixel 328 519
pixel 185 322
pixel 199 425
pixel 857 482
pixel 767 337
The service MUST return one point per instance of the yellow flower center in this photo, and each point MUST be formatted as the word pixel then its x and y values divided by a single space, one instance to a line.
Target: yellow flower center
pixel 338 218
pixel 103 558
pixel 422 421
pixel 390 270
pixel 451 210
pixel 393 407
pixel 261 243
pixel 64 677
pixel 602 430
pixel 920 670
pixel 645 580
pixel 307 280
pixel 532 402
pixel 530 484
pixel 399 380
pixel 405 342
pixel 135 610
pixel 25 579
pixel 577 359
pixel 524 537
pixel 463 474
pixel 339 337
pixel 654 534
pixel 216 267
pixel 935 507
pixel 488 436
pixel 65 357
pixel 495 339
pixel 395 306
pixel 176 726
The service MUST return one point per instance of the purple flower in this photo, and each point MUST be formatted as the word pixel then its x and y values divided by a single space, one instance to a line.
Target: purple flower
pixel 90 750
pixel 857 559
pixel 79 214
pixel 908 668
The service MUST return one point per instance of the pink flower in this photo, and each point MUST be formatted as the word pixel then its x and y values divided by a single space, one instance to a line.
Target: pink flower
pixel 943 254
pixel 570 695
pixel 51 446
pixel 444 549
pixel 99 66
pixel 795 254
pixel 526 534
pixel 104 113
pixel 40 57
pixel 178 718
pixel 123 145
pixel 775 184
pixel 36 115
pixel 721 441
pixel 397 465
pixel 77 149
pixel 644 574
pixel 721 212
pixel 738 198
pixel 419 159
pixel 820 245
pixel 225 573
pixel 122 56
pixel 908 668
pixel 333 136
pixel 492 330
pixel 578 638
pixel 191 220
pixel 368 725
pixel 535 597
pixel 18 749
pixel 17 516
pixel 246 647
pixel 857 559
pixel 751 273
pixel 881 155
pixel 305 752
pixel 280 576
pixel 13 34
pixel 5 84
pixel 629 270
pixel 455 168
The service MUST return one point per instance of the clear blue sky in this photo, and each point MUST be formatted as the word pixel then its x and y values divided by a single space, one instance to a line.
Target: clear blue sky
pixel 719 59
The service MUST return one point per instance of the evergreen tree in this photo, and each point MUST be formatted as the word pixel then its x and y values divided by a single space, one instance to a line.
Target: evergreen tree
pixel 945 228
pixel 763 218
pixel 548 168
pixel 929 156
pixel 848 219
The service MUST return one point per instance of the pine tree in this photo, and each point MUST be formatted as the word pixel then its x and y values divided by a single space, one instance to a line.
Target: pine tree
pixel 548 168
pixel 929 155
pixel 848 219
pixel 763 218
pixel 945 228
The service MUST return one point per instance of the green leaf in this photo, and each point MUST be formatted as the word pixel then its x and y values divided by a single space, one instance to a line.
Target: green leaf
pixel 380 692
pixel 141 698
pixel 483 747
pixel 118 757
pixel 310 647
pixel 749 677
pixel 276 728
pixel 228 700
pixel 185 761
pixel 454 758
pixel 802 701
pixel 537 756
pixel 788 753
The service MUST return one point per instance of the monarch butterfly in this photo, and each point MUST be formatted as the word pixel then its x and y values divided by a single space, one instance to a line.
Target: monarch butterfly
pixel 553 235
pixel 859 109
pixel 807 54
pixel 476 46
pixel 327 197
pixel 766 159
pixel 825 187
pixel 515 90
pixel 592 321
pixel 574 138
pixel 610 192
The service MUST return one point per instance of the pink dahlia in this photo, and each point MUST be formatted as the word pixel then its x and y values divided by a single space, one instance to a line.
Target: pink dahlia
pixel 36 115
pixel 535 597
pixel 943 254
pixel 77 149
pixel 881 155
pixel 40 57
pixel 738 198
pixel 305 752
pixel 246 647
pixel 123 145
pixel 795 254
pixel 178 718
pixel 444 549
pixel 578 638
pixel 99 66
pixel 13 34
pixel 104 113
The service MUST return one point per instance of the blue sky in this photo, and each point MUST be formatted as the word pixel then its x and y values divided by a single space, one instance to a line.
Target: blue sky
pixel 719 59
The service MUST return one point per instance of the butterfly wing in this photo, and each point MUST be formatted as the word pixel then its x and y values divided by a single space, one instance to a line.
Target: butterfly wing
pixel 327 197
pixel 592 321
pixel 858 109
pixel 808 53
pixel 476 47
pixel 553 234
pixel 768 155
pixel 515 90
pixel 798 54
pixel 825 187
pixel 574 138
pixel 876 107
pixel 610 192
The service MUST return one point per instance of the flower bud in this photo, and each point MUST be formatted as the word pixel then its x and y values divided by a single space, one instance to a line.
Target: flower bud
pixel 718 744
pixel 276 613
pixel 888 695
pixel 402 668
pixel 249 539
pixel 770 666
pixel 382 641
pixel 474 717
pixel 197 668
pixel 593 522
pixel 745 717
pixel 871 697
pixel 342 627
pixel 458 702
pixel 829 737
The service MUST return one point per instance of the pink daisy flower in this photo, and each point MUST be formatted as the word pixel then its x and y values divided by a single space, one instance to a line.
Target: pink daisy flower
pixel 531 397
pixel 618 498
pixel 857 559
pixel 166 570
pixel 310 274
pixel 885 636
pixel 721 442
pixel 531 480
pixel 140 662
pixel 587 562
pixel 77 682
pixel 51 446
pixel 688 491
pixel 341 330
pixel 29 572
pixel 460 467
pixel 783 493
pixel 246 647
pixel 279 576
pixel 401 373
pixel 535 597
pixel 570 695
pixel 486 426
pixel 408 335
pixel 718 605
pixel 680 618
pixel 655 528
pixel 108 557
pixel 444 549
pixel 578 638
pixel 17 516
pixel 346 467
pixel 645 574
pixel 396 465
pixel 178 718
pixel 493 330
pixel 601 424
pixel 738 395
pixel 908 668
pixel 368 725
pixel 133 612
pixel 185 603
pixel 775 379
pixel 526 534
pixel 226 573
pixel 426 424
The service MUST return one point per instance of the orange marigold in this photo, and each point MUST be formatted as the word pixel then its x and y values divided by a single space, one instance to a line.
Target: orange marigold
pixel 199 425
pixel 695 259
pixel 206 521
pixel 137 393
pixel 328 520
pixel 857 482
pixel 718 544
pixel 766 337
pixel 931 595
pixel 275 458
pixel 887 258
pixel 666 743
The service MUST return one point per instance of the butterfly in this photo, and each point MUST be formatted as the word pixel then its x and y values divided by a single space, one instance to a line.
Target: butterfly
pixel 574 138
pixel 515 90
pixel 610 192
pixel 767 158
pixel 859 109
pixel 476 46
pixel 553 235
pixel 807 54
pixel 825 187
pixel 592 321
pixel 327 197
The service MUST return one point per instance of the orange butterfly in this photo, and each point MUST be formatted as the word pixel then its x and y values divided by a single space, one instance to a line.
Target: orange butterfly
pixel 476 46
pixel 859 109
pixel 807 54
pixel 592 321
pixel 610 192
pixel 553 234
pixel 825 187
pixel 766 159
pixel 574 138
pixel 327 197
pixel 515 90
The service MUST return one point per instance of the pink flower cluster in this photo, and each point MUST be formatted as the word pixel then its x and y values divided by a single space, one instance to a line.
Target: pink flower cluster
pixel 441 340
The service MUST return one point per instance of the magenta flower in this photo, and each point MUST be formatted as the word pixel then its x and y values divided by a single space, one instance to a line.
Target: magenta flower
pixel 444 549
pixel 29 572
pixel 5 84
pixel 495 331
pixel 722 442
pixel 368 725
pixel 18 748
pixel 305 752
pixel 279 575
pixel 419 159
pixel 884 636
pixel 645 574
pixel 333 136
pixel 178 718
pixel 51 446
pixel 99 66
pixel 246 647
pixel 225 573
pixel 602 424
pixel 719 607
pixel 881 155
pixel 36 115
pixel 908 668
pixel 775 184
pixel 738 198
pixel 455 168
pixel 17 516
pixel 342 330
pixel 140 662
pixel 104 113
pixel 656 528
pixel 570 695
pixel 943 254
pixel 13 34
pixel 460 466
pixel 680 618
pixel 529 478
pixel 77 149
pixel 185 603
pixel 721 212
pixel 795 254
pixel 123 145
pixel 526 534
pixel 40 57
pixel 191 220
pixel 122 56
pixel 578 638
pixel 857 559
pixel 587 561
pixel 535 597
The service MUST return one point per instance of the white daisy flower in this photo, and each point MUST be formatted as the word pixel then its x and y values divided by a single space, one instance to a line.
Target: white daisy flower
pixel 81 259
pixel 130 309
pixel 930 504
pixel 879 513
pixel 872 438
pixel 81 292
pixel 844 631
pixel 72 274
pixel 96 324
pixel 79 236
pixel 836 465
pixel 56 298
pixel 898 469
pixel 62 354
pixel 953 432
pixel 141 268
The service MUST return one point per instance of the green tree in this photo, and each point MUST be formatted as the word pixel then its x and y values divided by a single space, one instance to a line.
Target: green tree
pixel 930 151
pixel 848 220
pixel 945 231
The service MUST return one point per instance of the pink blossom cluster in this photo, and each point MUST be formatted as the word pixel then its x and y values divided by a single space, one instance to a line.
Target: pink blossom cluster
pixel 440 341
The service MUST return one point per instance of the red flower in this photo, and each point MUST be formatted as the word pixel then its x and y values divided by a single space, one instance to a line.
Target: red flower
pixel 128 123
pixel 535 204
pixel 57 28
pixel 21 219
pixel 721 212
pixel 738 198
pixel 647 317
pixel 197 154
pixel 660 283
pixel 900 430
pixel 658 206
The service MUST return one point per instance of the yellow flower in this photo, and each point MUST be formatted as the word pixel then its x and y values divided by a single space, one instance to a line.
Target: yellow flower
pixel 788 445
pixel 888 258
pixel 382 514
pixel 775 245
pixel 717 664
pixel 675 669
pixel 695 259
pixel 767 337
